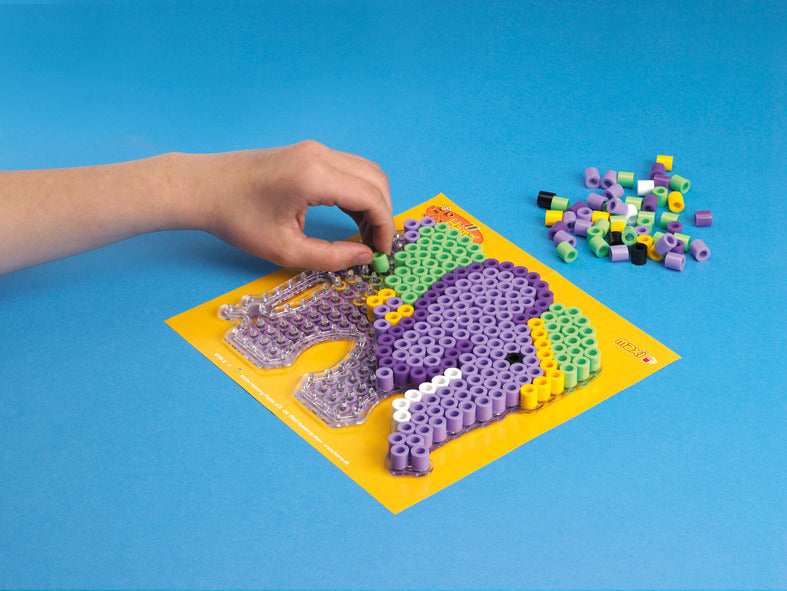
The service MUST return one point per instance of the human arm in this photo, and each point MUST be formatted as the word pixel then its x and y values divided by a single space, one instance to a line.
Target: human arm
pixel 255 199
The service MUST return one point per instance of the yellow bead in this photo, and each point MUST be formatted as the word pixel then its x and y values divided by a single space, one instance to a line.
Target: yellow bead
pixel 542 388
pixel 393 318
pixel 675 201
pixel 371 303
pixel 646 239
pixel 552 216
pixel 653 255
pixel 535 323
pixel 556 381
pixel 528 397
pixel 599 215
pixel 405 310
pixel 386 293
pixel 617 226
pixel 666 161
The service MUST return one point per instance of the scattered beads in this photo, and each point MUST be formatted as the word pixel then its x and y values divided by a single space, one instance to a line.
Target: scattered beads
pixel 612 221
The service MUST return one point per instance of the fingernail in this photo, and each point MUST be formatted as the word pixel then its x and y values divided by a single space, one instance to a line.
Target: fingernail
pixel 362 259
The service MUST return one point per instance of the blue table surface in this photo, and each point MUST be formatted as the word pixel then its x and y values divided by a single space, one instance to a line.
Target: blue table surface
pixel 128 460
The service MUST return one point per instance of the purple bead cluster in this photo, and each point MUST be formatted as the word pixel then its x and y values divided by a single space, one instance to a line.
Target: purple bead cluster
pixel 473 315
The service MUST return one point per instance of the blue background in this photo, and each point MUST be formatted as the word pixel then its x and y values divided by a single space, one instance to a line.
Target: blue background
pixel 128 460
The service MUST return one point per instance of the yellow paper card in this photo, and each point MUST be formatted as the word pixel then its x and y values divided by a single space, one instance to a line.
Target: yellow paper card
pixel 628 355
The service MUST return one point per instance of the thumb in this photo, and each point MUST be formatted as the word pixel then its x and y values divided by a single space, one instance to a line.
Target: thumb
pixel 321 255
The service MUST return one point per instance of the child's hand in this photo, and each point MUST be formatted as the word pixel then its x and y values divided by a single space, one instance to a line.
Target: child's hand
pixel 257 200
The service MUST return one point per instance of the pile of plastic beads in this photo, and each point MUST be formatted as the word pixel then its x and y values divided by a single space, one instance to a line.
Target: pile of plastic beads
pixel 622 227
pixel 458 339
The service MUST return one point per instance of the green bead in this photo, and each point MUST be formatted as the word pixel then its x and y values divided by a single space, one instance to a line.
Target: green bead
pixel 635 201
pixel 409 298
pixel 557 308
pixel 603 225
pixel 411 248
pixel 667 217
pixel 478 257
pixel 393 281
pixel 567 252
pixel 472 247
pixel 401 258
pixel 661 193
pixel 569 375
pixel 464 240
pixel 463 261
pixel 626 179
pixel 441 227
pixel 425 231
pixel 425 242
pixel 686 240
pixel 549 316
pixel 560 203
pixel 599 246
pixel 380 262
pixel 617 218
pixel 678 183
pixel 629 236
pixel 561 359
pixel 594 357
pixel 583 368
pixel 594 231
pixel 646 218
pixel 402 271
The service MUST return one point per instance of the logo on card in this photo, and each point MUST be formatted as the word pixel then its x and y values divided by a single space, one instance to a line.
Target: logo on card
pixel 641 354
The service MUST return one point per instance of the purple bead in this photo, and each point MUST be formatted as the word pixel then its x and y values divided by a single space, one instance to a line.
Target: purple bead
pixel 698 250
pixel 596 201
pixel 592 178
pixel 563 236
pixel 425 431
pixel 453 420
pixel 512 393
pixel 417 375
pixel 498 401
pixel 411 236
pixel 650 202
pixel 616 207
pixel 468 412
pixel 618 252
pixel 703 218
pixel 610 178
pixel 439 429
pixel 419 458
pixel 577 206
pixel 661 180
pixel 411 224
pixel 665 244
pixel 679 247
pixel 427 221
pixel 584 213
pixel 400 457
pixel 569 218
pixel 386 339
pixel 675 227
pixel 556 227
pixel 640 230
pixel 674 261
pixel 381 327
pixel 657 168
pixel 483 408
pixel 401 375
pixel 384 379
pixel 396 438
pixel 613 191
